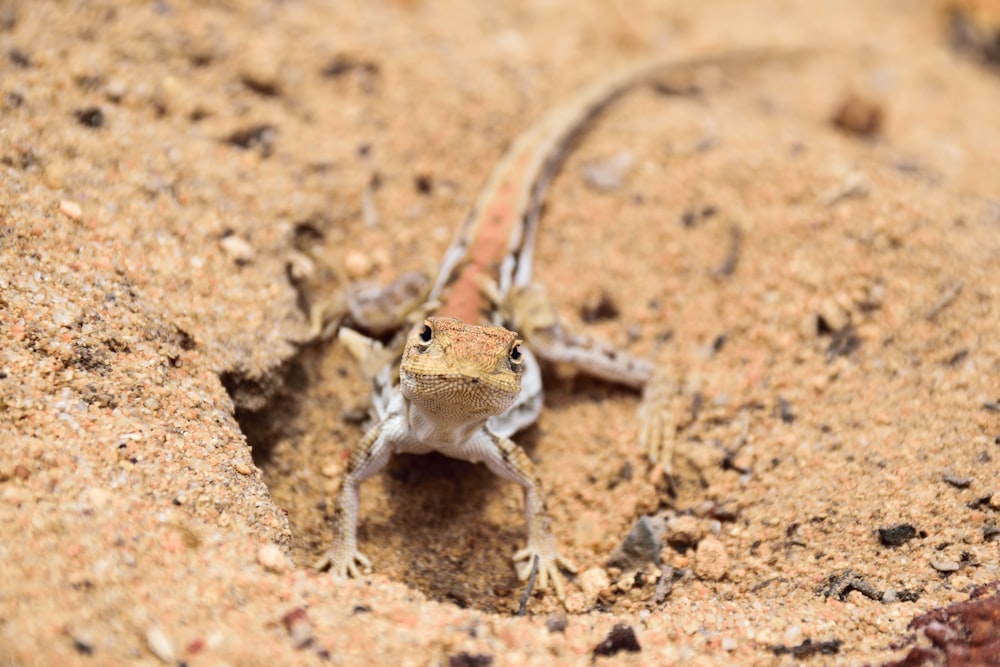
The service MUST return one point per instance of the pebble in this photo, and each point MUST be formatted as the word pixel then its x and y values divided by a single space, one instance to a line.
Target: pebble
pixel 299 628
pixel 54 175
pixel 261 69
pixel 159 645
pixel 357 264
pixel 273 559
pixel 609 174
pixel 711 561
pixel 237 249
pixel 684 531
pixel 835 316
pixel 242 468
pixel 556 622
pixel 71 209
pixel 332 468
pixel 592 582
pixel 115 90
pixel 641 546
pixel 793 634
pixel 945 565
pixel 957 481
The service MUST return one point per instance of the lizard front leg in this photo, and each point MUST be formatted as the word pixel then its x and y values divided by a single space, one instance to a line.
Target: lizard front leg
pixel 370 456
pixel 505 459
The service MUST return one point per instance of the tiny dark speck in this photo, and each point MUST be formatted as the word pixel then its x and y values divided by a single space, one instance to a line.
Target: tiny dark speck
pixel 464 659
pixel 424 184
pixel 90 117
pixel 19 58
pixel 785 410
pixel 82 647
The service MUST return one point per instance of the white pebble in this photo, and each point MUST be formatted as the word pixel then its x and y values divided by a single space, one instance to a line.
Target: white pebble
pixel 159 645
pixel 71 209
pixel 272 558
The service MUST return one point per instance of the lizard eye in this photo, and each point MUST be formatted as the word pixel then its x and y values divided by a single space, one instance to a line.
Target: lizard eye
pixel 516 356
pixel 426 334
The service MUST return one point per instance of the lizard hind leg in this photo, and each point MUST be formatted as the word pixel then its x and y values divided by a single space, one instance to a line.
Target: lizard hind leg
pixel 657 429
pixel 532 314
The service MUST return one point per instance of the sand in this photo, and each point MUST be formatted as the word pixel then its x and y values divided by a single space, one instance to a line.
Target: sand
pixel 808 247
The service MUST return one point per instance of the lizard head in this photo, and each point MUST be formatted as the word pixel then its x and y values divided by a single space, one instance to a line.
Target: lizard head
pixel 459 370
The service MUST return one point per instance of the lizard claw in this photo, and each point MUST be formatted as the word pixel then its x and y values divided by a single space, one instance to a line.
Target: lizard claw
pixel 344 562
pixel 549 563
pixel 657 432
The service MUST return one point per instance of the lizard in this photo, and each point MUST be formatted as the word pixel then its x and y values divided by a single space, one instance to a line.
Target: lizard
pixel 466 383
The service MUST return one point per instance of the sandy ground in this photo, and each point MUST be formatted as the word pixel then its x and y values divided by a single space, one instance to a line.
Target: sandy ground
pixel 838 445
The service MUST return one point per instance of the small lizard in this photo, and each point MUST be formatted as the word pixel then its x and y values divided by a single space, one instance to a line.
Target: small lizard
pixel 453 377
pixel 464 388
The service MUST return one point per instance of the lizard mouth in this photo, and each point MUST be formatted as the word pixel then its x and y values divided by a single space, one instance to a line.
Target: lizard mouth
pixel 483 395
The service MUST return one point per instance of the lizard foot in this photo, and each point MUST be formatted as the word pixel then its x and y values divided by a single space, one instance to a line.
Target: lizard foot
pixel 344 562
pixel 657 432
pixel 549 563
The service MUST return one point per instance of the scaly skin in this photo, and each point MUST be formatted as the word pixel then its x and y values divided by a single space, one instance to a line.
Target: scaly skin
pixel 453 377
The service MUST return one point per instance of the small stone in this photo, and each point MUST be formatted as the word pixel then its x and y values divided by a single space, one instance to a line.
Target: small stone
pixel 946 565
pixel 159 645
pixel 466 659
pixel 793 634
pixel 896 535
pixel 242 468
pixel 956 481
pixel 858 115
pixel 889 596
pixel 621 638
pixel 115 90
pixel 299 628
pixel 237 249
pixel 576 603
pixel 332 468
pixel 609 174
pixel 65 315
pixel 71 209
pixel 357 264
pixel 54 174
pixel 592 582
pixel 273 559
pixel 833 316
pixel 556 622
pixel 260 69
pixel 641 546
pixel 711 562
pixel 684 531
